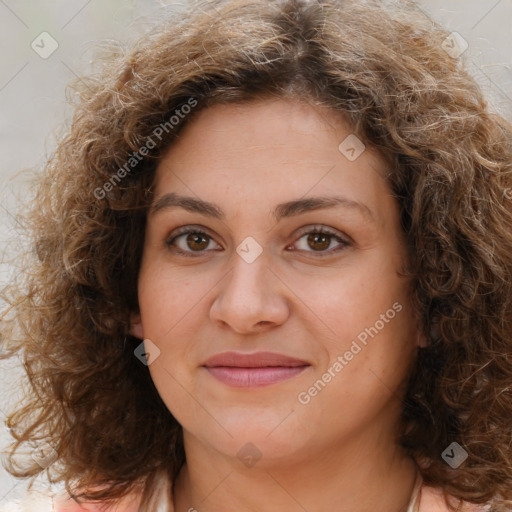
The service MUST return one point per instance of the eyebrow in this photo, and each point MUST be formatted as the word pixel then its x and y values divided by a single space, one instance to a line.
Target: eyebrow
pixel 282 210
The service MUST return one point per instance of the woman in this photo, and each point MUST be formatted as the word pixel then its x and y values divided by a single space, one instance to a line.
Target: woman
pixel 272 272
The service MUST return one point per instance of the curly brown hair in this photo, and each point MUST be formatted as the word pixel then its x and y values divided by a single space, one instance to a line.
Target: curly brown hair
pixel 382 64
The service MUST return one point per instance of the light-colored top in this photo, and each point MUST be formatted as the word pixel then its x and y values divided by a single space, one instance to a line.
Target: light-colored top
pixel 424 499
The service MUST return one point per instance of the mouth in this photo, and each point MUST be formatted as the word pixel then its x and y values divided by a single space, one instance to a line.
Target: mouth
pixel 253 370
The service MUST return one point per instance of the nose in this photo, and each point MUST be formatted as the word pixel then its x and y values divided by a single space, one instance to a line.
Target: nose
pixel 251 297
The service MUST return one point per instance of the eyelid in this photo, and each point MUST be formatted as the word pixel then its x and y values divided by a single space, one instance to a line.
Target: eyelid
pixel 310 228
pixel 337 235
pixel 320 228
pixel 189 228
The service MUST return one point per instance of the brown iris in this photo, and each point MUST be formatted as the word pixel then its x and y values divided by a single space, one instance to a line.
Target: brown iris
pixel 194 241
pixel 317 241
pixel 319 238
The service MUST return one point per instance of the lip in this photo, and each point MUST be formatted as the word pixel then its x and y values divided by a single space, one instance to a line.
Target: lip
pixel 238 369
pixel 254 360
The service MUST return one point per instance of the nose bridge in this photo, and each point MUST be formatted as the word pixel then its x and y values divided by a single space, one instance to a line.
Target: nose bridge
pixel 247 279
pixel 247 298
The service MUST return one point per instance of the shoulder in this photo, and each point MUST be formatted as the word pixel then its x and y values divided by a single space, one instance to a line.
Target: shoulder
pixel 159 501
pixel 41 501
pixel 48 501
pixel 432 500
pixel 129 503
pixel 33 501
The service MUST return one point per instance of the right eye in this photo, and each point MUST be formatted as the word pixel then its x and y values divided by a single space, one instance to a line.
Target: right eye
pixel 195 241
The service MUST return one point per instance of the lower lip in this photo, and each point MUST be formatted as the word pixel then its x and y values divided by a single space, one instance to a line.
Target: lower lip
pixel 254 377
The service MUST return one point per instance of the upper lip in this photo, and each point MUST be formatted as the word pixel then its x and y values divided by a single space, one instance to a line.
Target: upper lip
pixel 254 360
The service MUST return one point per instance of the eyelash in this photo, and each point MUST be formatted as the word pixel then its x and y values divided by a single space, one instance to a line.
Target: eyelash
pixel 309 230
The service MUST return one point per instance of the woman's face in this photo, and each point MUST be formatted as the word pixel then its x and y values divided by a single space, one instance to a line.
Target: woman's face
pixel 260 277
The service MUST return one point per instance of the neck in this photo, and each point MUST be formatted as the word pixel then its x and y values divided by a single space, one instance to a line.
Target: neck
pixel 367 472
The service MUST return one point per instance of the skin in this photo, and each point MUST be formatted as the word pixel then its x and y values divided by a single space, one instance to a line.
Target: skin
pixel 339 450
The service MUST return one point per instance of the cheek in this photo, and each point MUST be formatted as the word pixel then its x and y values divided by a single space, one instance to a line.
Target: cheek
pixel 350 299
pixel 376 355
pixel 167 319
pixel 367 366
pixel 172 305
pixel 370 322
pixel 166 295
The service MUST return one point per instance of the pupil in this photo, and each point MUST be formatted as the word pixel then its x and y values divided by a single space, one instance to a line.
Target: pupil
pixel 314 239
pixel 194 238
pixel 317 241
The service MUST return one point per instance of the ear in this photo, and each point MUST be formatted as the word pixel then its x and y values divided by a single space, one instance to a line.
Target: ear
pixel 421 339
pixel 136 326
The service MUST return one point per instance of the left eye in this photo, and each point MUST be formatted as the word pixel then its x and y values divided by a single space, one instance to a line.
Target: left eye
pixel 317 238
pixel 320 238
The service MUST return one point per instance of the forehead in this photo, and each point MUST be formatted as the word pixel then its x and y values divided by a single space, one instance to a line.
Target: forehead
pixel 267 151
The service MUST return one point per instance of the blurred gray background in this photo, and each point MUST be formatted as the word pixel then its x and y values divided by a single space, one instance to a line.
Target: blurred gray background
pixel 47 44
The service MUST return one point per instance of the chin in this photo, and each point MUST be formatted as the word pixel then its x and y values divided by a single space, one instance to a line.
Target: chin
pixel 264 444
